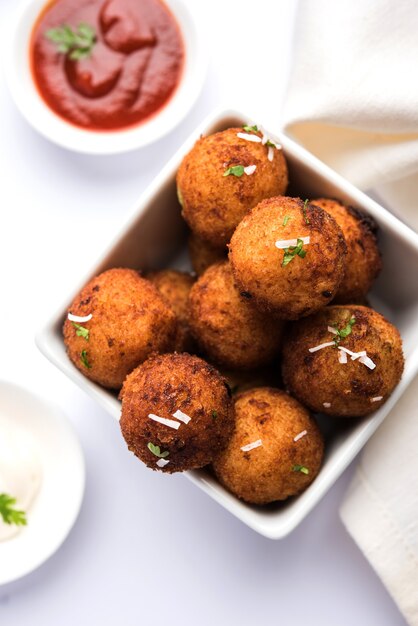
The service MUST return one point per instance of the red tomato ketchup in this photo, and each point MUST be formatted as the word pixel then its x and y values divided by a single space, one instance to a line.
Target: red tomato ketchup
pixel 125 73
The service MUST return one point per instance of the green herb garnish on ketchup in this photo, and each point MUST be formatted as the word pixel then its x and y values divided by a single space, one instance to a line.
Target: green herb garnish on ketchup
pixel 78 44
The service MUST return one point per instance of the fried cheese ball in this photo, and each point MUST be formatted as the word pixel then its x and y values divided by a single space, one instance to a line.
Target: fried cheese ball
pixel 174 288
pixel 215 198
pixel 363 257
pixel 177 412
pixel 229 329
pixel 288 257
pixel 129 321
pixel 344 361
pixel 203 255
pixel 276 450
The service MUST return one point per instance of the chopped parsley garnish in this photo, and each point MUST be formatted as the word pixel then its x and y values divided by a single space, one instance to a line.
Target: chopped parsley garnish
pixel 214 414
pixel 292 251
pixel 305 217
pixel 235 170
pixel 9 513
pixel 251 129
pixel 156 451
pixel 81 331
pixel 78 44
pixel 344 332
pixel 286 219
pixel 270 144
pixel 84 360
pixel 300 468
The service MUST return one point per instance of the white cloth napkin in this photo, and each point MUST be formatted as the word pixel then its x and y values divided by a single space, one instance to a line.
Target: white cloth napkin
pixel 353 101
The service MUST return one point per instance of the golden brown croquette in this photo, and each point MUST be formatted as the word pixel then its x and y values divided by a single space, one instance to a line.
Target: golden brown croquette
pixel 229 329
pixel 174 287
pixel 356 373
pixel 288 257
pixel 129 321
pixel 202 254
pixel 213 196
pixel 363 257
pixel 192 396
pixel 275 451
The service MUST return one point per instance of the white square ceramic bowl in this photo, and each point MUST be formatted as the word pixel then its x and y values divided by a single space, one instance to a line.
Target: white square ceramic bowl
pixel 155 235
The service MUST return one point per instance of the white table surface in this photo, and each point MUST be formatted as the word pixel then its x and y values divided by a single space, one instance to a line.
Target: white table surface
pixel 149 547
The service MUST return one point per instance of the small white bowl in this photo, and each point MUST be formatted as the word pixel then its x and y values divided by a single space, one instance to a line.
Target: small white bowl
pixel 57 504
pixel 156 233
pixel 56 129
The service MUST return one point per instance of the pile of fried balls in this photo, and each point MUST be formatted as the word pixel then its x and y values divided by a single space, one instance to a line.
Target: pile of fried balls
pixel 227 366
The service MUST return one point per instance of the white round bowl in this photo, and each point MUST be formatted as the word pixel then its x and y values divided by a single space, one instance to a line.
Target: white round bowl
pixel 57 504
pixel 55 128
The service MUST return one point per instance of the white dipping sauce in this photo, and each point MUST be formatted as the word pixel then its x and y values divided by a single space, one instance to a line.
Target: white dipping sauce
pixel 20 470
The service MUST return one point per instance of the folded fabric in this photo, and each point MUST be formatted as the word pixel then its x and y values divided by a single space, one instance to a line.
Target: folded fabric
pixel 353 101
pixel 380 510
pixel 352 97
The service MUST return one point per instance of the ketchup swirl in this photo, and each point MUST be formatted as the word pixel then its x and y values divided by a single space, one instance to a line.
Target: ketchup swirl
pixel 133 70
